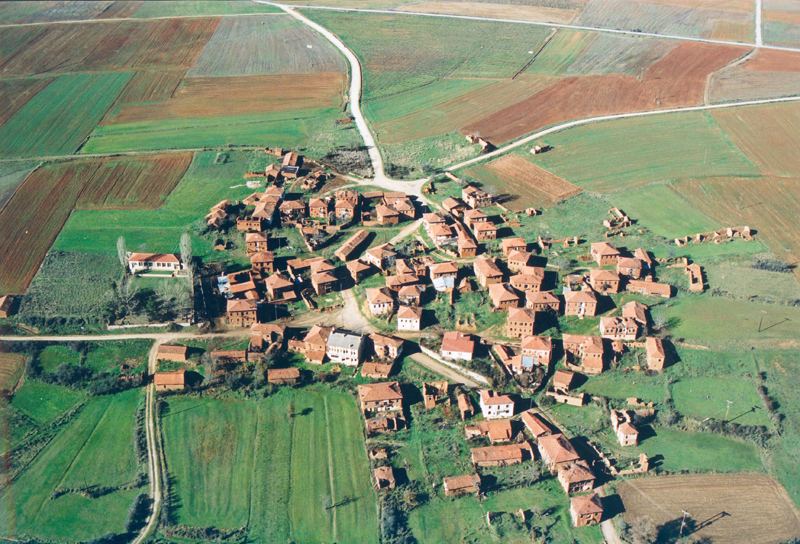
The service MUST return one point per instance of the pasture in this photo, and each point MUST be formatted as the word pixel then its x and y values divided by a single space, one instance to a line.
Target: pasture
pixel 664 211
pixel 195 8
pixel 619 155
pixel 44 402
pixel 561 51
pixel 678 79
pixel 12 365
pixel 258 45
pixel 94 449
pixel 706 497
pixel 283 466
pixel 12 174
pixel 60 116
pixel 706 397
pixel 52 356
pixel 738 278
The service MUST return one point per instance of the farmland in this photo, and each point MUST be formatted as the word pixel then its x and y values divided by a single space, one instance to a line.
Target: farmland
pixel 224 97
pixel 530 184
pixel 151 86
pixel 44 402
pixel 678 79
pixel 195 8
pixel 11 175
pixel 15 93
pixel 664 211
pixel 610 54
pixel 706 496
pixel 296 482
pixel 40 207
pixel 496 11
pixel 561 51
pixel 706 397
pixel 616 155
pixel 256 45
pixel 11 367
pixel 60 117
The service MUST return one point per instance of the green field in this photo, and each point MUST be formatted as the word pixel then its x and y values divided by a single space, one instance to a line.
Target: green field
pixel 106 356
pixel 11 176
pixel 561 52
pixel 52 356
pixel 59 118
pixel 94 449
pixel 44 402
pixel 615 386
pixel 737 277
pixel 618 155
pixel 287 465
pixel 201 7
pixel 706 397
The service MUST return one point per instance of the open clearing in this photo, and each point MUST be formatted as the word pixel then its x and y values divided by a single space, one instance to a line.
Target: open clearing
pixel 526 184
pixel 36 213
pixel 706 397
pixel 766 135
pixel 44 402
pixel 676 80
pixel 11 367
pixel 496 11
pixel 663 211
pixel 259 464
pixel 618 155
pixel 706 497
pixel 222 97
pixel 258 45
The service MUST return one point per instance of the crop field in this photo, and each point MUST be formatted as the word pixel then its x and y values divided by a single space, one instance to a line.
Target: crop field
pixel 664 211
pixel 733 32
pixel 259 45
pixel 120 9
pixel 765 134
pixel 738 278
pixel 44 402
pixel 561 51
pixel 223 97
pixel 707 497
pixel 151 86
pixel 62 115
pixel 11 175
pixel 47 12
pixel 11 367
pixel 497 11
pixel 120 48
pixel 618 155
pixel 283 467
pixel 175 43
pixel 15 12
pixel 526 184
pixel 740 83
pixel 766 204
pixel 94 449
pixel 400 52
pixel 201 7
pixel 38 210
pixel 782 33
pixel 611 54
pixel 15 93
pixel 676 80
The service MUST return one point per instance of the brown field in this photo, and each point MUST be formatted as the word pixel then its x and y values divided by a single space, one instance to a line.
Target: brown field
pixel 496 11
pixel 736 5
pixel 527 183
pixel 768 135
pixel 676 80
pixel 11 365
pixel 34 216
pixel 767 204
pixel 780 17
pixel 175 43
pixel 731 31
pixel 771 60
pixel 455 113
pixel 742 84
pixel 120 9
pixel 757 508
pixel 224 96
pixel 151 86
pixel 121 47
pixel 12 38
pixel 15 93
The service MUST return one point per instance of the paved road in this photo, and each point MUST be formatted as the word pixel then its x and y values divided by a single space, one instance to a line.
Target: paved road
pixel 759 41
pixel 439 368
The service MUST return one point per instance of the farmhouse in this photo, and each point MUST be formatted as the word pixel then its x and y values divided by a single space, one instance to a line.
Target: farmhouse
pixel 314 344
pixel 576 477
pixel 588 348
pixel 622 423
pixel 344 210
pixel 474 216
pixel 431 219
pixel 636 311
pixel 378 371
pixel 556 451
pixel 475 197
pixel 464 406
pixel 453 205
pixel 434 392
pixel 604 254
pixel 380 397
pixel 265 334
pixel 292 210
pixel 386 347
pixel 586 510
pixel 171 352
pixel 663 290
pixel 487 272
pixel 384 478
pixel 250 224
pixel 656 354
pixel 163 262
pixel 496 431
pixel 580 303
pixel 494 406
pixel 542 301
pixel 345 347
pixel 509 245
pixel 170 381
pixel 318 208
pixel 409 318
pixel 630 267
pixel 518 260
pixel 242 313
pixel 283 376
pixel 279 287
pixel 256 242
pixel 530 278
pixel 536 350
pixel 500 456
pixel 466 246
pixel 349 247
pixel 485 231
pixel 562 380
pixel 410 295
pixel 323 283
pixel 380 301
pixel 358 270
pixel 442 235
pixel 395 283
pixel 503 296
pixel 263 262
pixel 382 256
pixel 619 328
pixel 520 323
pixel 387 215
pixel 604 280
pixel 537 426
pixel 455 486
pixel 446 269
pixel 457 345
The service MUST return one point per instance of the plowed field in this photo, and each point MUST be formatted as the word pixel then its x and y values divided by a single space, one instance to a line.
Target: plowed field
pixel 774 61
pixel 723 508
pixel 525 183
pixel 221 97
pixel 175 43
pixel 11 365
pixel 38 210
pixel 120 9
pixel 676 80
pixel 151 86
pixel 15 93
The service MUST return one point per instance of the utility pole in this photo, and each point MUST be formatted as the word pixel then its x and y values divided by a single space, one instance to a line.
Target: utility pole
pixel 683 522
pixel 728 410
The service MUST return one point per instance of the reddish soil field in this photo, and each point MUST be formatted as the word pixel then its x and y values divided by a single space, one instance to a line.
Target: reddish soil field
pixel 676 80
pixel 724 508
pixel 771 60
pixel 120 10
pixel 175 42
pixel 15 93
pixel 227 96
pixel 34 216
pixel 151 86
pixel 121 47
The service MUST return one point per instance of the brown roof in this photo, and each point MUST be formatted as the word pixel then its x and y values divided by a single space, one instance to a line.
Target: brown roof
pixel 441 230
pixel 501 292
pixel 490 398
pixel 484 227
pixel 535 424
pixel 262 257
pixel 379 295
pixel 586 504
pixel 521 314
pixel 433 218
pixel 409 312
pixel 650 287
pixel 603 275
pixel 381 340
pixel 318 335
pixel 357 266
pixel 317 203
pixel 563 377
pixel 604 248
pixel 586 295
pixel 487 268
pixel 457 341
pixel 541 297
pixel 283 374
pixel 174 377
pixel 454 483
pixel 513 242
pixel 411 290
pixel 538 343
pixel 241 306
pixel 370 370
pixel 654 347
pixel 629 262
pixel 381 251
pixel 401 280
pixel 448 267
pixel 321 265
pixel 374 392
pixel 171 348
pixel 578 471
pixel 255 237
pixel 499 453
pixel 450 203
pixel 154 257
pixel 635 310
pixel 322 278
pixel 558 448
pixel 386 211
pixel 474 214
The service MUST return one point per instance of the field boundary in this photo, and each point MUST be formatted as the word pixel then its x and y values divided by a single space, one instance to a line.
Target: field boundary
pixel 330 463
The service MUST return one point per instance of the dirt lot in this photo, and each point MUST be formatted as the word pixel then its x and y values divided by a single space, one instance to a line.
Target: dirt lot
pixel 676 80
pixel 222 96
pixel 725 508
pixel 497 11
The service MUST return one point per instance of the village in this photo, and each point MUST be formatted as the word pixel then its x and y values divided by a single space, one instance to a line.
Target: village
pixel 395 287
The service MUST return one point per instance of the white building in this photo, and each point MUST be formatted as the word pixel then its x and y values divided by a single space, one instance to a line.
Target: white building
pixel 380 301
pixel 494 406
pixel 158 262
pixel 345 347
pixel 409 318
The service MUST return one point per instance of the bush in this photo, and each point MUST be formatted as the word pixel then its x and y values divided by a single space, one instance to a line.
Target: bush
pixel 771 264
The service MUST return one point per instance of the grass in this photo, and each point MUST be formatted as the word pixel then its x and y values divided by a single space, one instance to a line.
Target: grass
pixel 565 47
pixel 95 448
pixel 62 115
pixel 619 155
pixel 736 276
pixel 52 356
pixel 282 461
pixel 12 366
pixel 616 386
pixel 706 397
pixel 106 356
pixel 45 402
pixel 197 8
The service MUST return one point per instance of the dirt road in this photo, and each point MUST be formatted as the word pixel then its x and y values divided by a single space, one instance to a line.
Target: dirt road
pixel 347 317
pixel 439 368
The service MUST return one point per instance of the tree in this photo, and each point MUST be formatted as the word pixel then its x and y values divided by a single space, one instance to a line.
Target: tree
pixel 186 249
pixel 660 320
pixel 126 292
pixel 641 530
pixel 122 252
